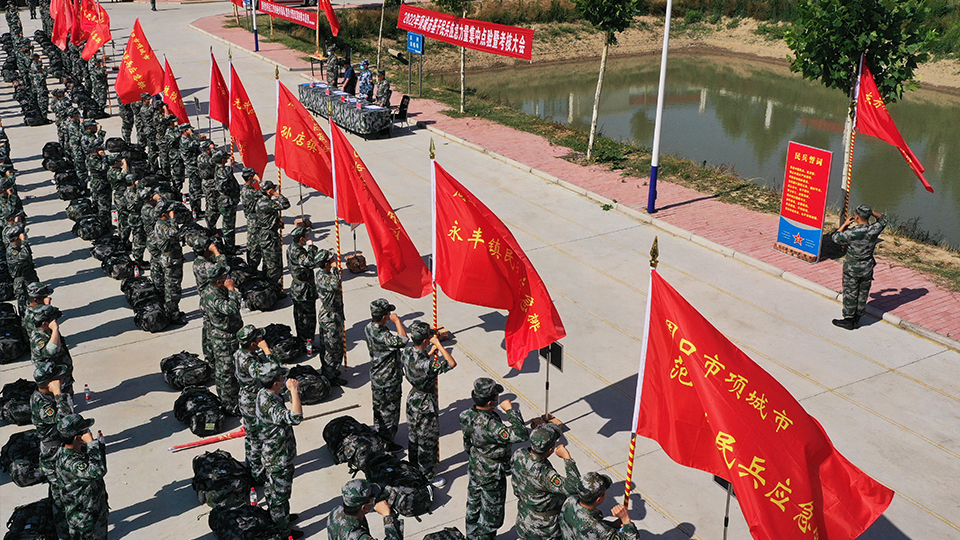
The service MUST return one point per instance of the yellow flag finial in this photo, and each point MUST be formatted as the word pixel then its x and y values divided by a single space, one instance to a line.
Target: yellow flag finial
pixel 433 149
pixel 654 253
pixel 276 72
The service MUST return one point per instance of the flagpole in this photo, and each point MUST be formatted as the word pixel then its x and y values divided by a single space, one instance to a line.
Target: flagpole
pixel 230 109
pixel 109 100
pixel 654 253
pixel 433 257
pixel 850 133
pixel 336 214
pixel 655 154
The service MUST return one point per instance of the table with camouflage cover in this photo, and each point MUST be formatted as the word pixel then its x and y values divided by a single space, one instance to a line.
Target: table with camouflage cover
pixel 371 119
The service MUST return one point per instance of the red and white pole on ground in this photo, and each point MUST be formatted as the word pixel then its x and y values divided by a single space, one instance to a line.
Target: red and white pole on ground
pixel 655 157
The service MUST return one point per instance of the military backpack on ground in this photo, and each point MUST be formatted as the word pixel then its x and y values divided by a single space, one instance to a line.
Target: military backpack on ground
pixel 20 458
pixel 356 263
pixel 15 402
pixel 89 228
pixel 13 337
pixel 314 387
pixel 405 488
pixel 32 521
pixel 117 265
pixel 200 410
pixel 185 369
pixel 449 533
pixel 352 443
pixel 52 150
pixel 6 284
pixel 105 246
pixel 221 480
pixel 151 318
pixel 259 294
pixel 283 344
pixel 242 522
pixel 240 271
pixel 139 292
pixel 78 208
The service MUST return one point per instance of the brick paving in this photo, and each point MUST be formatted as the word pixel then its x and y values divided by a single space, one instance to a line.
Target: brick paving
pixel 897 290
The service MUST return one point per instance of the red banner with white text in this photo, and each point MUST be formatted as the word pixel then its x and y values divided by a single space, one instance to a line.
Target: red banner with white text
pixel 287 13
pixel 472 34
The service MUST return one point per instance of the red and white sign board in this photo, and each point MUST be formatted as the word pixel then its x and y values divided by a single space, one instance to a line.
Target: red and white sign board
pixel 472 34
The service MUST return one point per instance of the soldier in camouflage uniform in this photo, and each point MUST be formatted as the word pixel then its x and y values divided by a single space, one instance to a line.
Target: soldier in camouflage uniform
pixel 349 521
pixel 75 136
pixel 47 344
pixel 97 169
pixel 140 209
pixel 60 107
pixel 38 82
pixel 167 232
pixel 268 238
pixel 38 295
pixel 121 180
pixel 302 258
pixel 47 405
pixel 177 167
pixel 228 197
pixel 139 117
pixel 275 423
pixel 330 345
pixel 81 466
pixel 127 115
pixel 487 442
pixel 19 263
pixel 206 167
pixel 160 124
pixel 249 196
pixel 332 67
pixel 167 135
pixel 189 152
pixel 580 519
pixel 423 411
pixel 146 130
pixel 383 90
pixel 861 239
pixel 539 489
pixel 207 255
pixel 252 358
pixel 92 135
pixel 220 305
pixel 98 80
pixel 385 348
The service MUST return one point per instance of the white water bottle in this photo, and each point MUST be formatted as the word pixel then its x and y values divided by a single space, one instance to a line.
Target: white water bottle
pixel 309 346
pixel 136 270
pixel 101 438
pixel 253 496
pixel 86 393
pixel 114 217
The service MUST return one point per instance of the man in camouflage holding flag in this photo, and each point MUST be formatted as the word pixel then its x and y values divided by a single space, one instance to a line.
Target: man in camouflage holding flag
pixel 385 372
pixel 252 358
pixel 220 304
pixel 47 405
pixel 249 197
pixel 330 291
pixel 269 206
pixel 580 519
pixel 302 258
pixel 861 239
pixel 539 489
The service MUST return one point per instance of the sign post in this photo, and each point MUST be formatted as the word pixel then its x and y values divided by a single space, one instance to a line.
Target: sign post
pixel 414 46
pixel 804 202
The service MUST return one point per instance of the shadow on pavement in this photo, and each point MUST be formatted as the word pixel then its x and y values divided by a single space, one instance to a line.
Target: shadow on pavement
pixel 890 299
pixel 171 500
pixel 608 404
pixel 883 529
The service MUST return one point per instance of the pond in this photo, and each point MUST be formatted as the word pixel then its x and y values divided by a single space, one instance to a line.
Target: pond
pixel 742 114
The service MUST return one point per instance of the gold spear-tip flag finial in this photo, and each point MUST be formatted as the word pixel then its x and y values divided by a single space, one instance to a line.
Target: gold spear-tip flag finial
pixel 230 53
pixel 654 253
pixel 433 149
pixel 276 72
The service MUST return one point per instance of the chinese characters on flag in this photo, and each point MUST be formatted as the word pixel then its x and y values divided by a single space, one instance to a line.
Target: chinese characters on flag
pixel 478 261
pixel 95 22
pixel 872 118
pixel 140 70
pixel 302 149
pixel 219 94
pixel 245 127
pixel 171 94
pixel 712 408
pixel 359 200
pixel 63 14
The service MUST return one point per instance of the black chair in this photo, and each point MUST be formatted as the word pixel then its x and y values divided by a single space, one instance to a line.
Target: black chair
pixel 400 114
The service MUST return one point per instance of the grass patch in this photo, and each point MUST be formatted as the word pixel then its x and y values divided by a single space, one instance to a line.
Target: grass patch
pixel 772 32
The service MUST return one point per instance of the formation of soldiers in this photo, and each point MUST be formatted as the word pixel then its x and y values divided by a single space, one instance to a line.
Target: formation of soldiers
pixel 169 181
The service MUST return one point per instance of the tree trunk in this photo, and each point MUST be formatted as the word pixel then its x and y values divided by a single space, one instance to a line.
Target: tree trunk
pixel 596 100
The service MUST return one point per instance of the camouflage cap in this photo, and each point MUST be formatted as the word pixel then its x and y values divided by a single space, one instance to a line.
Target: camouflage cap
pixel 164 206
pixel 592 486
pixel 72 425
pixel 200 242
pixel 544 437
pixel 46 313
pixel 299 232
pixel 359 492
pixel 158 104
pixel 420 331
pixel 7 182
pixel 38 289
pixel 324 258
pixel 380 307
pixel 13 232
pixel 89 122
pixel 269 372
pixel 219 156
pixel 48 371
pixel 248 173
pixel 864 211
pixel 267 186
pixel 215 271
pixel 185 126
pixel 248 334
pixel 144 95
pixel 485 388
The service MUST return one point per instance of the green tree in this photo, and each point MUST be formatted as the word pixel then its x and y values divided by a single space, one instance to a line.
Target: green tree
pixel 611 17
pixel 459 7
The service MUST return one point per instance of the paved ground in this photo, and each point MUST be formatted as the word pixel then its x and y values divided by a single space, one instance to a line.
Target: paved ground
pixel 888 398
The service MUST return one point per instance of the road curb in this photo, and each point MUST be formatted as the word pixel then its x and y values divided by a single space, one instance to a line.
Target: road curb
pixel 248 51
pixel 749 260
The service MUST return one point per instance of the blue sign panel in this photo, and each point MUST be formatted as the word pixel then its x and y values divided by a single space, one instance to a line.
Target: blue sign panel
pixel 415 43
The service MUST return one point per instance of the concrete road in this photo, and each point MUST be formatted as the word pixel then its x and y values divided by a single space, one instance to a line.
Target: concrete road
pixel 889 400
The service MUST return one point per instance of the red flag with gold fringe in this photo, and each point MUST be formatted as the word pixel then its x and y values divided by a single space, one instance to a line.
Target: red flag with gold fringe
pixel 302 149
pixel 171 94
pixel 96 23
pixel 245 127
pixel 219 94
pixel 140 70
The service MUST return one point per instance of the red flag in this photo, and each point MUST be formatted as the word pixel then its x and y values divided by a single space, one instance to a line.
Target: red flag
pixel 96 23
pixel 171 94
pixel 480 262
pixel 219 94
pixel 399 266
pixel 245 127
pixel 302 149
pixel 139 70
pixel 331 16
pixel 63 14
pixel 872 118
pixel 78 36
pixel 712 408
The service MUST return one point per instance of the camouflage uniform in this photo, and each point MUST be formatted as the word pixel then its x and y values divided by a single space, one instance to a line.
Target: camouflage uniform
pixel 207 169
pixel 385 348
pixel 249 365
pixel 21 268
pixel 276 423
pixel 166 135
pixel 98 80
pixel 171 260
pixel 60 108
pixel 342 526
pixel 83 489
pixel 127 114
pixel 268 237
pixel 423 411
pixel 222 309
pixel 330 345
pixel 45 16
pixel 38 80
pixel 139 116
pixel 579 523
pixel 13 19
pixel 189 152
pixel 97 169
pixel 141 212
pixel 332 67
pixel 228 197
pixel 74 136
pixel 861 241
pixel 383 93
pixel 301 261
pixel 201 268
pixel 118 184
pixel 488 442
pixel 45 410
pixel 249 196
pixel 42 351
pixel 146 131
pixel 539 489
